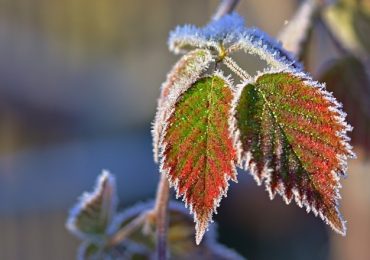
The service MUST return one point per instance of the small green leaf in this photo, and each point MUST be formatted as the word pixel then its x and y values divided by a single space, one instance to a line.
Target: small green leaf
pixel 93 214
pixel 198 154
pixel 292 136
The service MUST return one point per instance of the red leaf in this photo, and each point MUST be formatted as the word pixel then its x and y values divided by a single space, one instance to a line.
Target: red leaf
pixel 292 137
pixel 198 154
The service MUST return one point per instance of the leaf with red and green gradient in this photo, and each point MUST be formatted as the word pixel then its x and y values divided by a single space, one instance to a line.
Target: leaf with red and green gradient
pixel 185 72
pixel 198 154
pixel 292 137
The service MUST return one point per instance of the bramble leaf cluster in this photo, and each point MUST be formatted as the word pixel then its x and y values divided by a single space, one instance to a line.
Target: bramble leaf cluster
pixel 280 125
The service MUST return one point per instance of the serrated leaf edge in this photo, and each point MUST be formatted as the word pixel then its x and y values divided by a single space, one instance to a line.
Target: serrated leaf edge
pixel 223 31
pixel 256 42
pixel 244 158
pixel 200 230
pixel 88 197
pixel 164 106
pixel 229 33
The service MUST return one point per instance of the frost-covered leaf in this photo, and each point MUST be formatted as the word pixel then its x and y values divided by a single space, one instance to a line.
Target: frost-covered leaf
pixel 223 31
pixel 349 80
pixel 185 72
pixel 257 42
pixel 198 155
pixel 228 34
pixel 292 136
pixel 90 218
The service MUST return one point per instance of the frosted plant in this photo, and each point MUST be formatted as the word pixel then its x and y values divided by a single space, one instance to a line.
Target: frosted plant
pixel 280 125
pixel 129 234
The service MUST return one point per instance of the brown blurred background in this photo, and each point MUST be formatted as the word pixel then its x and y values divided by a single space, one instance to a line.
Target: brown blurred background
pixel 78 86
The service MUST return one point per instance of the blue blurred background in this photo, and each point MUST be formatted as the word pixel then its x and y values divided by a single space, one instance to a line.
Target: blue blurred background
pixel 79 81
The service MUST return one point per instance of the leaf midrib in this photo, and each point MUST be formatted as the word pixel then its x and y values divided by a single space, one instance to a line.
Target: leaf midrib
pixel 286 138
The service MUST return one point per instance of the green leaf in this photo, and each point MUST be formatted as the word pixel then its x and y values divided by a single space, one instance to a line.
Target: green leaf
pixel 92 215
pixel 349 80
pixel 292 137
pixel 198 154
pixel 184 73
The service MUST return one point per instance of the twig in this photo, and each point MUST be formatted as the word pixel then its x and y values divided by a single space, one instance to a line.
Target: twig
pixel 225 7
pixel 231 64
pixel 161 211
pixel 128 229
pixel 295 33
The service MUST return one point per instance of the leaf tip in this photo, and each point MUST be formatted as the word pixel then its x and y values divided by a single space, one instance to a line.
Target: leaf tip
pixel 106 176
pixel 338 224
pixel 98 203
pixel 200 230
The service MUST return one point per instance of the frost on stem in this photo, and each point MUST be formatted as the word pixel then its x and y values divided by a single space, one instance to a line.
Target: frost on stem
pixel 283 127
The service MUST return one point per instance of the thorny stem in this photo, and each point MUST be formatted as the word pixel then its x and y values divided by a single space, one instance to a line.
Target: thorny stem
pixel 161 211
pixel 225 7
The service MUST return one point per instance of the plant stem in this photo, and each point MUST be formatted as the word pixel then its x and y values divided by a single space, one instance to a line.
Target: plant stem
pixel 161 211
pixel 225 7
pixel 161 204
pixel 231 64
pixel 129 228
pixel 295 33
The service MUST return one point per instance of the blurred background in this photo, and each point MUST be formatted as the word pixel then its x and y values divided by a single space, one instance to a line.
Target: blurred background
pixel 79 81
